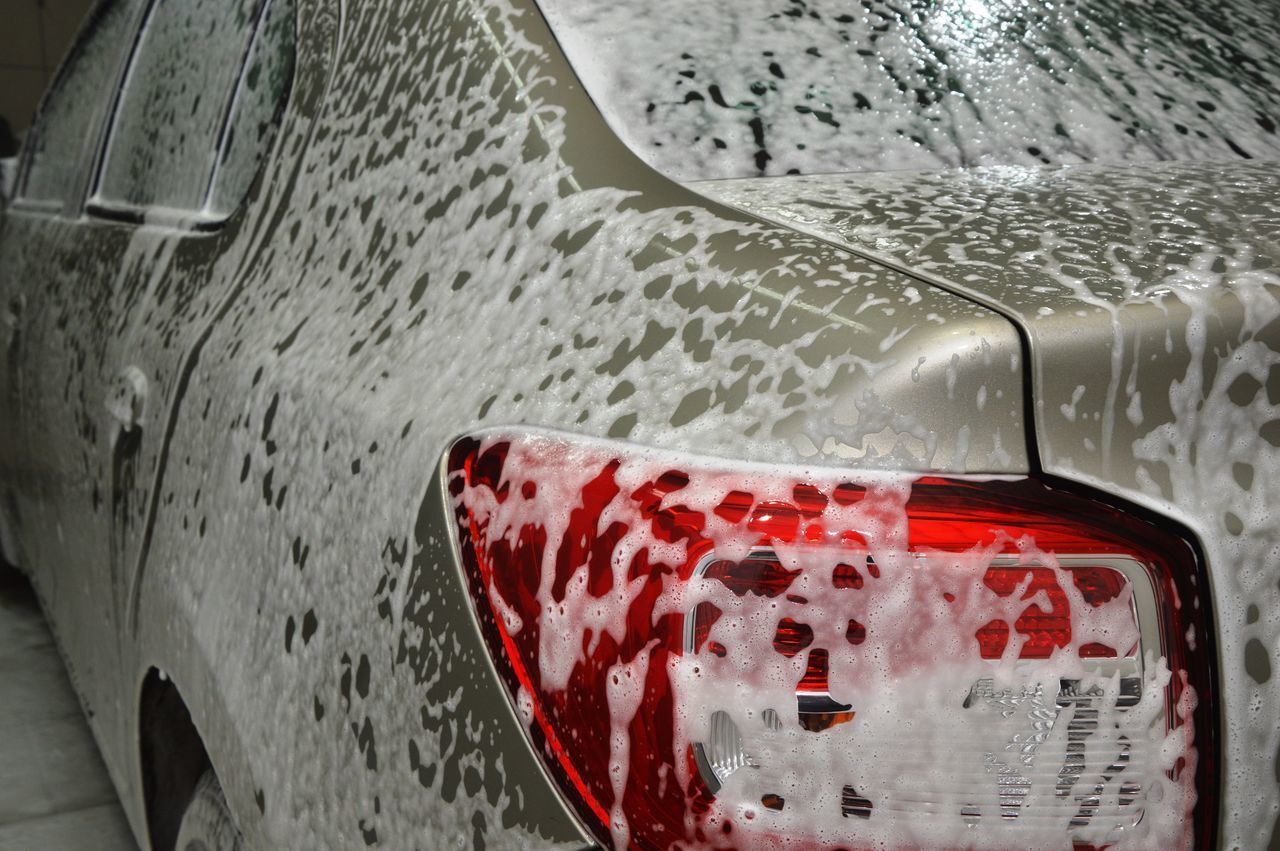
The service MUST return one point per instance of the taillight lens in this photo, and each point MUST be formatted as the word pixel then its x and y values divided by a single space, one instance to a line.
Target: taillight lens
pixel 715 656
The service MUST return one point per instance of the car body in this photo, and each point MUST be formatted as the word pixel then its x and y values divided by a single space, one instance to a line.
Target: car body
pixel 241 427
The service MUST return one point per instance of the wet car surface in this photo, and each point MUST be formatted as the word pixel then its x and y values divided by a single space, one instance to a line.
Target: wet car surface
pixel 372 435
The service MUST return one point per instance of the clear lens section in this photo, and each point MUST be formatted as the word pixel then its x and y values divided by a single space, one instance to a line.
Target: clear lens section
pixel 753 657
pixel 1017 767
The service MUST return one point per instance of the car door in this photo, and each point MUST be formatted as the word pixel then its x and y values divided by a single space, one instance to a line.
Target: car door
pixel 58 295
pixel 120 282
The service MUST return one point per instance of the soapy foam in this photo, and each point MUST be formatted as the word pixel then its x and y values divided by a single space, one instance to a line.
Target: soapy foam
pixel 930 766
pixel 1158 284
pixel 769 87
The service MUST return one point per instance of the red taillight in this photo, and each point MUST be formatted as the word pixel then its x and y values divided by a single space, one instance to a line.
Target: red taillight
pixel 706 656
pixel 1047 629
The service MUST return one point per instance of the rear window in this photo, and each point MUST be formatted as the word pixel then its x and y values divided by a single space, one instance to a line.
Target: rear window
pixel 175 98
pixel 736 88
pixel 197 109
pixel 255 109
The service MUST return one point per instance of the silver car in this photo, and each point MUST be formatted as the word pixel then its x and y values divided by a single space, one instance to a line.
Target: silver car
pixel 683 425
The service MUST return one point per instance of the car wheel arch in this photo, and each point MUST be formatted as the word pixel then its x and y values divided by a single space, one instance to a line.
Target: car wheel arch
pixel 180 737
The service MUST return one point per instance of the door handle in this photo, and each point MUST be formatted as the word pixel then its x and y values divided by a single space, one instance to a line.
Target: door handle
pixel 12 321
pixel 127 401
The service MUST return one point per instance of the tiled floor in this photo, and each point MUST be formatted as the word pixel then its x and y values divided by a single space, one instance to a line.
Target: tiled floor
pixel 54 791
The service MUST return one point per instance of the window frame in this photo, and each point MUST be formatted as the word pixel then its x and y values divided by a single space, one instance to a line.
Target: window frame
pixel 71 205
pixel 181 217
pixel 84 199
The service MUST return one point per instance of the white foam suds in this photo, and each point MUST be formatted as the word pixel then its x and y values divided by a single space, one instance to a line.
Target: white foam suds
pixel 937 733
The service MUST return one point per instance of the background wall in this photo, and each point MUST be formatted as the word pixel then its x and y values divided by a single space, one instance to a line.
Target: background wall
pixel 34 34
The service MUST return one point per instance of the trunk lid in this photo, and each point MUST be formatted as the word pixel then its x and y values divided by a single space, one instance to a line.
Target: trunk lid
pixel 1149 298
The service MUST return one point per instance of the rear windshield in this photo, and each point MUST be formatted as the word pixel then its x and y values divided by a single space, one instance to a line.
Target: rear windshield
pixel 706 89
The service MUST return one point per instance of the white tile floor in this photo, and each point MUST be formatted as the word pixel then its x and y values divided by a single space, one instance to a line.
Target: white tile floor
pixel 54 791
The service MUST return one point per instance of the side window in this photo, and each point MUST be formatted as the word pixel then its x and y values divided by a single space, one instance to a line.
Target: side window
pixel 173 126
pixel 256 108
pixel 60 148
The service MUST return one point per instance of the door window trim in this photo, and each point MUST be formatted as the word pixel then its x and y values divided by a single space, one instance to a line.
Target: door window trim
pixel 72 205
pixel 178 217
pixel 84 200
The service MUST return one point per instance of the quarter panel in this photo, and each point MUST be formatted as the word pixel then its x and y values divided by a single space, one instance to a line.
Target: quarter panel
pixel 456 241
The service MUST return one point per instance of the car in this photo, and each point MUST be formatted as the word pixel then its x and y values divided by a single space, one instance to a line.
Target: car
pixel 795 423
